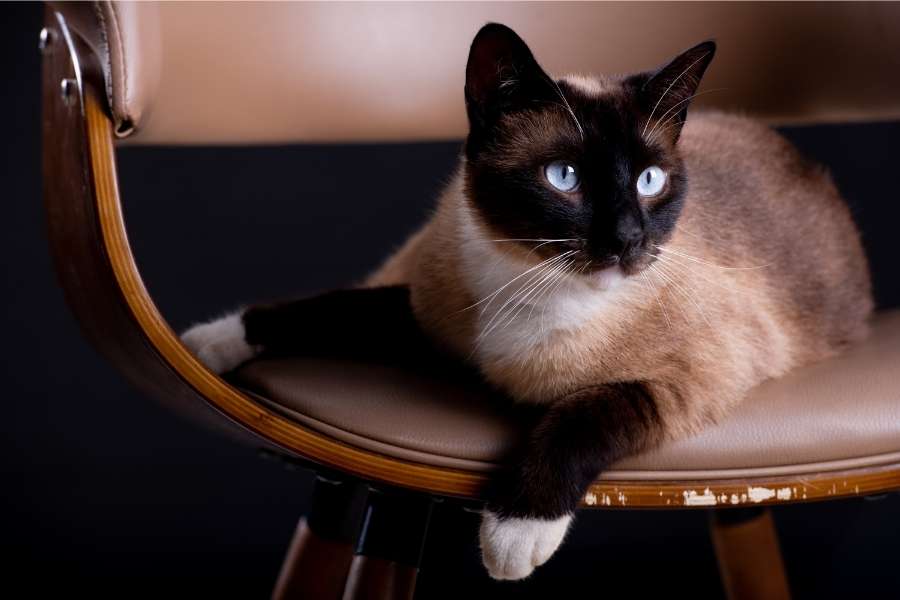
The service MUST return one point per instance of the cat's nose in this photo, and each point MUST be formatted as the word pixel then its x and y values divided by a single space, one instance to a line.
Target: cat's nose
pixel 629 232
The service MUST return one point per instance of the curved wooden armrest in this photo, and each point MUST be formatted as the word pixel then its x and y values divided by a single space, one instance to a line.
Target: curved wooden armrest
pixel 104 289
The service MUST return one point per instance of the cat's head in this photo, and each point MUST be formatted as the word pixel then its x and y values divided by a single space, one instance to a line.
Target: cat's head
pixel 592 164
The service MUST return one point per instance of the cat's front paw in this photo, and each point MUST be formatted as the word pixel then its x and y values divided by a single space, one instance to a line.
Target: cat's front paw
pixel 512 547
pixel 221 344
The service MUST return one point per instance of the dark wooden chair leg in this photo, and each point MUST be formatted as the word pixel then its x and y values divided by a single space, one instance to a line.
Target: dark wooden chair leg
pixel 746 546
pixel 319 557
pixel 390 547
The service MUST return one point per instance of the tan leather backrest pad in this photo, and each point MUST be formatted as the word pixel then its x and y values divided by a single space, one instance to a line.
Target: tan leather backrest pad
pixel 125 37
pixel 301 72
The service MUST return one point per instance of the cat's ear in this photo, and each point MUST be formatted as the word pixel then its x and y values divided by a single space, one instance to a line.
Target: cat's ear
pixel 501 75
pixel 666 93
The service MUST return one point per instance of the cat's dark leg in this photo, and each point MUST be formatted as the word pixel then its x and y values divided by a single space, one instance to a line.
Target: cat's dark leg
pixel 531 504
pixel 366 323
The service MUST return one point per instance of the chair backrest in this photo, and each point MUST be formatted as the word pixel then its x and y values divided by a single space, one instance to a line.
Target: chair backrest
pixel 322 72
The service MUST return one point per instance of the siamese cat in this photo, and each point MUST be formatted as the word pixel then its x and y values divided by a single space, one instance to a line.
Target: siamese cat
pixel 630 271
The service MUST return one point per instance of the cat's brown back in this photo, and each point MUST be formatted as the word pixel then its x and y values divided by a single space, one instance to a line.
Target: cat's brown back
pixel 762 206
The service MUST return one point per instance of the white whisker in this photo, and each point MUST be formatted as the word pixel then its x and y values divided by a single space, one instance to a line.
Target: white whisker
pixel 491 325
pixel 522 299
pixel 683 230
pixel 685 288
pixel 674 81
pixel 499 259
pixel 569 280
pixel 559 282
pixel 658 300
pixel 545 264
pixel 709 264
pixel 529 240
pixel 671 124
pixel 550 289
pixel 493 294
pixel 536 293
pixel 669 283
pixel 568 107
pixel 663 116
pixel 528 283
pixel 675 261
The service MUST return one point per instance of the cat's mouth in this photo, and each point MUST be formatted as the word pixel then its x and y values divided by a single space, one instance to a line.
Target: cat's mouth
pixel 607 274
pixel 607 277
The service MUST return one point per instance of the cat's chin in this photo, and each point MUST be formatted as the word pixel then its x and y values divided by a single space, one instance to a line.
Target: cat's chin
pixel 606 279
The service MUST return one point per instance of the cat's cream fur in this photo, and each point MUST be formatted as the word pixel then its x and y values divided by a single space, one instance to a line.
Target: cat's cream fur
pixel 720 318
pixel 764 273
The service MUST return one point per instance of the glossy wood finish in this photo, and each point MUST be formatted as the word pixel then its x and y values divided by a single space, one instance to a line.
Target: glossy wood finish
pixel 104 288
pixel 314 567
pixel 390 546
pixel 318 560
pixel 379 579
pixel 749 557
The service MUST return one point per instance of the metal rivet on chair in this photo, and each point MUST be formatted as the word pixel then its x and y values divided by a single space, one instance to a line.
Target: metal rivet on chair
pixel 45 40
pixel 67 90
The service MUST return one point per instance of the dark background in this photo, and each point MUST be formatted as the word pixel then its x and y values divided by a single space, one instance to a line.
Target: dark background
pixel 105 492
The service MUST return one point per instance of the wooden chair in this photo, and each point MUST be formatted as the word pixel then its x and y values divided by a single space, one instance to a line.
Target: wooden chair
pixel 153 74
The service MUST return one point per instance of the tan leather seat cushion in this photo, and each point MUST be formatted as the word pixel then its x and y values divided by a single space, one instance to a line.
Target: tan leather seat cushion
pixel 839 414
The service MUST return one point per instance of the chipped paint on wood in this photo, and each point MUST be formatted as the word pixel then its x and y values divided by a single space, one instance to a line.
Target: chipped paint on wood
pixel 753 494
pixel 592 499
pixel 692 498
pixel 760 494
pixel 721 493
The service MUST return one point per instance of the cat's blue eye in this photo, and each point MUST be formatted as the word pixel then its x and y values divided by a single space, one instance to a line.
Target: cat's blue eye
pixel 651 181
pixel 562 175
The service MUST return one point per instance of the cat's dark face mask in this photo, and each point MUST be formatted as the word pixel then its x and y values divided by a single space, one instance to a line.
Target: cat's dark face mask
pixel 567 165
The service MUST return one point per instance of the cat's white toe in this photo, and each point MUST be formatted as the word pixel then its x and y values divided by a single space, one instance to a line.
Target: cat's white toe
pixel 512 548
pixel 221 344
